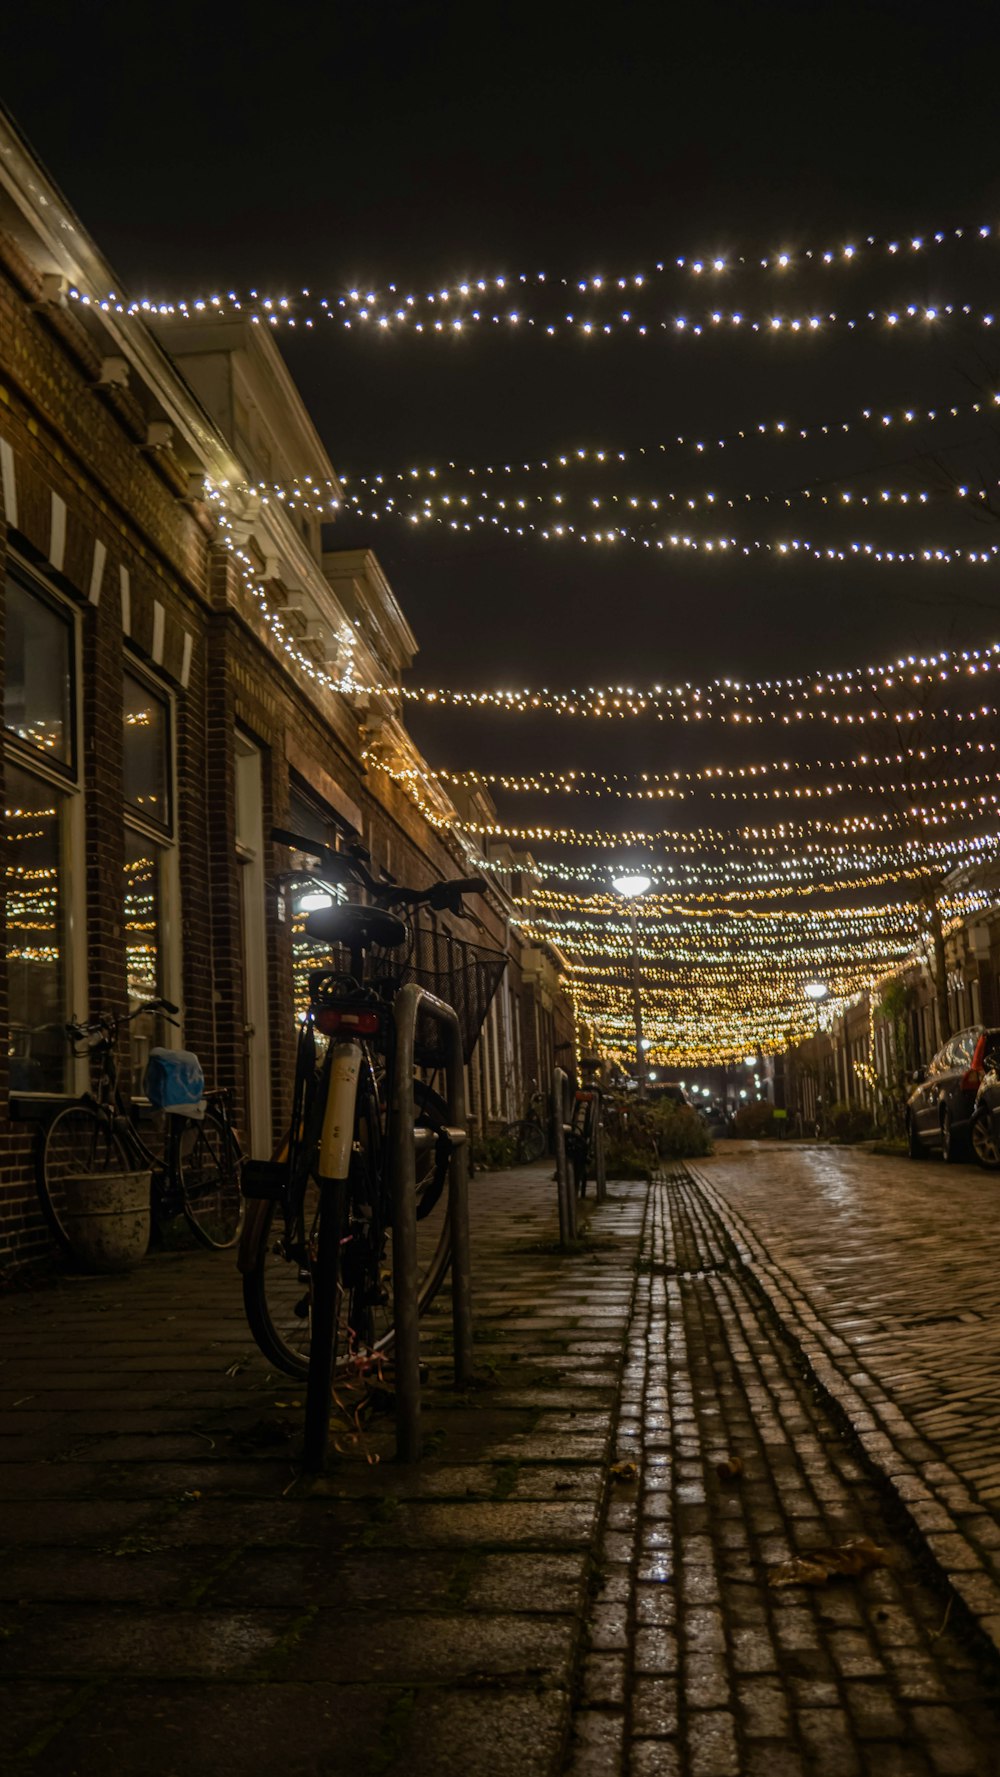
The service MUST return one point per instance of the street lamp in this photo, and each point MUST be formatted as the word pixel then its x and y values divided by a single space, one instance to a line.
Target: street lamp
pixel 632 886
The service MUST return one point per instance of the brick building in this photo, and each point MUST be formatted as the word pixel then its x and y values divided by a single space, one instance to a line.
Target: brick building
pixel 176 650
pixel 862 1053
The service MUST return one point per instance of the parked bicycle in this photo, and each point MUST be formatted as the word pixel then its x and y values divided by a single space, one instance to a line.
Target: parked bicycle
pixel 527 1136
pixel 581 1136
pixel 197 1175
pixel 316 1255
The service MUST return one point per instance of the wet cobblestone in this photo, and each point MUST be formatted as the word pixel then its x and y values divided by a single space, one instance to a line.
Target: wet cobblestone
pixel 725 1675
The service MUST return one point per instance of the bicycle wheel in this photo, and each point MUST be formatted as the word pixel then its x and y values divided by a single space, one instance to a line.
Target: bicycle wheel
pixel 528 1139
pixel 580 1169
pixel 80 1141
pixel 278 1287
pixel 207 1164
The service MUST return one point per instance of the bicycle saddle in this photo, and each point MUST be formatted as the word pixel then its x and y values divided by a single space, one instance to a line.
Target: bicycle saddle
pixel 356 927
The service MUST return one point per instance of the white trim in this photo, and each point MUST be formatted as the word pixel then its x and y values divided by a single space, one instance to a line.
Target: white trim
pixel 9 480
pixel 186 658
pixel 126 591
pixel 249 775
pixel 57 532
pixel 72 840
pixel 97 572
pixel 159 628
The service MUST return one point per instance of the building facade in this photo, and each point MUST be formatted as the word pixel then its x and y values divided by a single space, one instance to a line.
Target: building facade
pixel 186 669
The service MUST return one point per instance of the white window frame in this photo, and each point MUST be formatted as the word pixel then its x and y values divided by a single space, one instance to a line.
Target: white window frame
pixel 252 889
pixel 26 758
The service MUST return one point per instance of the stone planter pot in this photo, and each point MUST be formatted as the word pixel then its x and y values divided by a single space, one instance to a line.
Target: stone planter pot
pixel 107 1218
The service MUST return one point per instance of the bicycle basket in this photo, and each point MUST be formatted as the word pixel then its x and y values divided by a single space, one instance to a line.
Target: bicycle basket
pixel 467 982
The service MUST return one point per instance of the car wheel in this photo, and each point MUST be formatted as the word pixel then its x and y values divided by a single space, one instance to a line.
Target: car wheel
pixel 951 1144
pixel 914 1146
pixel 984 1143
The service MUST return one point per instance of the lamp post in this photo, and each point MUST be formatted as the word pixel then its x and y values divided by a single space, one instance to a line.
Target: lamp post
pixel 817 991
pixel 632 888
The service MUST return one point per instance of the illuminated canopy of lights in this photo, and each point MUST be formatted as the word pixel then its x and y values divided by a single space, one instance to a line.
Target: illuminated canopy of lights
pixel 774 873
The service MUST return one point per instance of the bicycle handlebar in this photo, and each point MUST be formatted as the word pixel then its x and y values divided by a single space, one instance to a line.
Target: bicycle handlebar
pixel 349 866
pixel 106 1023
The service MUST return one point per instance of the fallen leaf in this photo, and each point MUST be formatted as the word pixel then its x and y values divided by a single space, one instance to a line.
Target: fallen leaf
pixel 847 1560
pixel 624 1471
pixel 731 1469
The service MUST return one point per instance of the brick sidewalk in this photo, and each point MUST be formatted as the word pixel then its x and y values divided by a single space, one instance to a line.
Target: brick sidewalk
pixel 168 1606
pixel 173 1600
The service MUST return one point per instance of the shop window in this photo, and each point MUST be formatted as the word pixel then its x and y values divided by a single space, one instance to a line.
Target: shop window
pixel 150 887
pixel 43 811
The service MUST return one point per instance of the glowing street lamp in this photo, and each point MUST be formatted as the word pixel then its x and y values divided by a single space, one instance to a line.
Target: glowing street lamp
pixel 817 991
pixel 632 886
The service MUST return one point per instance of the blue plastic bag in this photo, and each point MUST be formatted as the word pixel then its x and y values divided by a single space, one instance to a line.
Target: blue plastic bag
pixel 175 1082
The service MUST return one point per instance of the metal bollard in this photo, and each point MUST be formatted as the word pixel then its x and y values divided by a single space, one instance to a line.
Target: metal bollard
pixel 600 1158
pixel 567 1199
pixel 411 1000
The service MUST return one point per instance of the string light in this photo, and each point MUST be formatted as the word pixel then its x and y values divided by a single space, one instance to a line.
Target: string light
pixel 731 697
pixel 681 785
pixel 591 457
pixel 465 301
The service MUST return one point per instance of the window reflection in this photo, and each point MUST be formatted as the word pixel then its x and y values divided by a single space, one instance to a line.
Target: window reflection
pixel 36 961
pixel 146 751
pixel 308 954
pixel 37 704
pixel 143 962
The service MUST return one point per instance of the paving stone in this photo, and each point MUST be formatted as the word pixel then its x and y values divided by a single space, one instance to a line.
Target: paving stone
pixel 654 1707
pixel 597 1744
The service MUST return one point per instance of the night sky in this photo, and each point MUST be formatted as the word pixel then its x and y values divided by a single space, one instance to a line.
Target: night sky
pixel 429 142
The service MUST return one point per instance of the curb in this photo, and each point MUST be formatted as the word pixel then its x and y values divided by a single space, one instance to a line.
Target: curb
pixel 960 1536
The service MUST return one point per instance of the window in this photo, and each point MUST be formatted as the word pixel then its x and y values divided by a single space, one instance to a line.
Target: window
pixel 150 886
pixel 147 753
pixel 38 682
pixel 44 812
pixel 312 821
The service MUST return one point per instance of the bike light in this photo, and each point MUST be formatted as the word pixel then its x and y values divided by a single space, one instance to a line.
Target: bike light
pixel 331 1019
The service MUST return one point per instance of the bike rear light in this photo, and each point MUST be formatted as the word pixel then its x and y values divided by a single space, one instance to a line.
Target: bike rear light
pixel 331 1019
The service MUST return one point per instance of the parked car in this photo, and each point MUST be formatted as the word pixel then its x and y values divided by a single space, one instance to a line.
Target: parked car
pixel 985 1132
pixel 940 1110
pixel 671 1090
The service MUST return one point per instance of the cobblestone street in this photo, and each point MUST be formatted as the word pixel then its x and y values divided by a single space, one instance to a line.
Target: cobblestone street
pixel 173 1599
pixel 887 1273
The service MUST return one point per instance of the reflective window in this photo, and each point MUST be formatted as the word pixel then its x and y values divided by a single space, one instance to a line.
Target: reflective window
pixel 146 716
pixel 309 893
pixel 142 916
pixel 149 854
pixel 36 888
pixel 38 694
